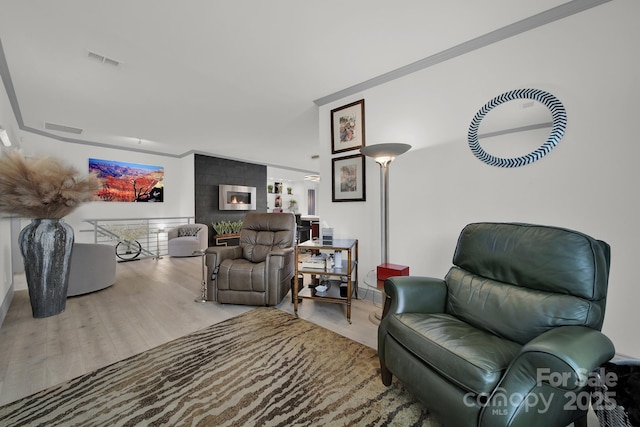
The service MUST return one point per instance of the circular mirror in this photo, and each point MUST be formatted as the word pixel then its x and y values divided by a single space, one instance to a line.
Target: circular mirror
pixel 536 99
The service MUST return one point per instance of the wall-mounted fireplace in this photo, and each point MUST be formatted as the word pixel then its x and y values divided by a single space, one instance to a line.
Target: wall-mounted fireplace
pixel 236 198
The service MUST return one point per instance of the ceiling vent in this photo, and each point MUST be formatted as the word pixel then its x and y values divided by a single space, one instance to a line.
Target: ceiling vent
pixel 101 58
pixel 62 128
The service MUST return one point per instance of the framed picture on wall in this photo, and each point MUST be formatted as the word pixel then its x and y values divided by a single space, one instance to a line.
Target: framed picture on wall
pixel 128 182
pixel 347 127
pixel 348 179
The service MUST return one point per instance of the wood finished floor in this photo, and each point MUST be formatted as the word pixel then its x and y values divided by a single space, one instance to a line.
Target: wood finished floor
pixel 151 303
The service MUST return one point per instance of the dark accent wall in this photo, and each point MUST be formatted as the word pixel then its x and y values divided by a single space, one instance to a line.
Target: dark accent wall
pixel 210 172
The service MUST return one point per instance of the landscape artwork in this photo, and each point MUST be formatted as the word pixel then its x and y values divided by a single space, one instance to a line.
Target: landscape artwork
pixel 128 182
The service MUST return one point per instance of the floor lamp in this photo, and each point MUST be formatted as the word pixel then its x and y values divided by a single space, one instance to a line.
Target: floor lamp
pixel 384 154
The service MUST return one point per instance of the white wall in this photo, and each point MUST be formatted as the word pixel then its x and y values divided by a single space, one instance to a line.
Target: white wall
pixel 178 191
pixel 588 182
pixel 6 276
pixel 8 122
pixel 178 181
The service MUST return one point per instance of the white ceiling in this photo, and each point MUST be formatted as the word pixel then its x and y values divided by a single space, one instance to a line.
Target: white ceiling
pixel 235 79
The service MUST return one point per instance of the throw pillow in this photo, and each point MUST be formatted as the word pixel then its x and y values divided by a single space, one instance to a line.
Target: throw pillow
pixel 188 231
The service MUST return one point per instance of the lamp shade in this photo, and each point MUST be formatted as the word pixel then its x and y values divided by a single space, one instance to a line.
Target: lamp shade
pixel 385 153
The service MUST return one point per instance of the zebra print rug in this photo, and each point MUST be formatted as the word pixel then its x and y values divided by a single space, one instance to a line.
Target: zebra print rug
pixel 263 368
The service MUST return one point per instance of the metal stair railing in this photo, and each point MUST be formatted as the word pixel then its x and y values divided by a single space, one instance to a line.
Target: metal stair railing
pixel 150 233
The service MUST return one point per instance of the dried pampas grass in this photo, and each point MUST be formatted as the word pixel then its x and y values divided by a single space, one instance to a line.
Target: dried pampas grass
pixel 42 187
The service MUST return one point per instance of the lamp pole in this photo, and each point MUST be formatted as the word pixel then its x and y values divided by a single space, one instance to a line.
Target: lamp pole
pixel 203 285
pixel 384 210
pixel 158 232
pixel 384 154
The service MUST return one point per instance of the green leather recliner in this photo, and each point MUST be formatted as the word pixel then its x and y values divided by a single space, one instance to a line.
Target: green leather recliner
pixel 511 336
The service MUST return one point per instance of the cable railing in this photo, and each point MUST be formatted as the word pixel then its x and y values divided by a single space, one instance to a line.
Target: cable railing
pixel 135 238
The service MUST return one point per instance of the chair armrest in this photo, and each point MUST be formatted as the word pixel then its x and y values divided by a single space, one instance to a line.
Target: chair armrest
pixel 415 294
pixel 203 236
pixel 172 234
pixel 573 350
pixel 214 256
pixel 278 271
pixel 280 259
pixel 410 294
pixel 545 381
pixel 280 252
pixel 223 252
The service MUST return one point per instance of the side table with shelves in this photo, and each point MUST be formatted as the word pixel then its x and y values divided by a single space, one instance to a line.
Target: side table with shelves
pixel 346 270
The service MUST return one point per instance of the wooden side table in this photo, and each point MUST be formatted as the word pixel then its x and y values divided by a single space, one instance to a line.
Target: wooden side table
pixel 344 272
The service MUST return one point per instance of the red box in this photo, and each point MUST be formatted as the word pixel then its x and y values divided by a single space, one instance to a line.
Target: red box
pixel 387 270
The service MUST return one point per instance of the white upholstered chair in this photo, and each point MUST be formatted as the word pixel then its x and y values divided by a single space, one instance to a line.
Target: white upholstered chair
pixel 184 240
pixel 92 267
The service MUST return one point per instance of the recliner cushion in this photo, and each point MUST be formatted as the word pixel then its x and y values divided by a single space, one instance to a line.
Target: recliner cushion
pixel 263 232
pixel 241 275
pixel 473 359
pixel 256 245
pixel 550 259
pixel 516 313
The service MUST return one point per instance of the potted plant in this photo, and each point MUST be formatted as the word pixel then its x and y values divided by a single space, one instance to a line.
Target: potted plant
pixel 45 190
pixel 226 228
pixel 270 188
pixel 227 231
pixel 293 205
pixel 289 190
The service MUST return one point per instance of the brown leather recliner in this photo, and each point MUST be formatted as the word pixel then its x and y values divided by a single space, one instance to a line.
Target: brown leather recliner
pixel 259 270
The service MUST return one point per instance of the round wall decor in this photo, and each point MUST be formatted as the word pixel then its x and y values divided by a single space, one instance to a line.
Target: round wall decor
pixel 559 123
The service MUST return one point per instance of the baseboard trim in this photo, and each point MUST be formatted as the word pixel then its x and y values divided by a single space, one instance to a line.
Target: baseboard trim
pixel 619 357
pixel 6 303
